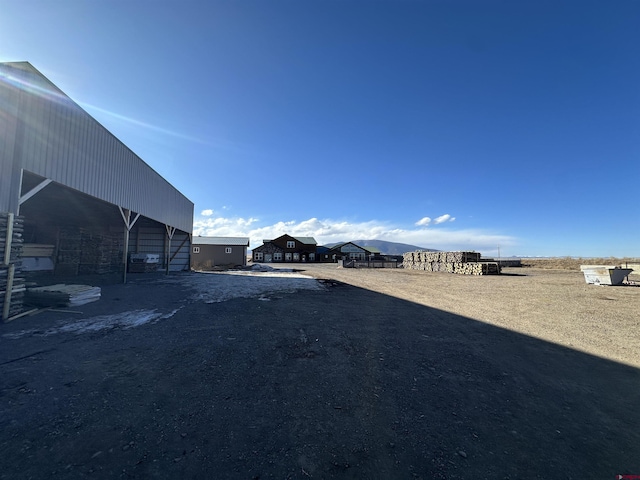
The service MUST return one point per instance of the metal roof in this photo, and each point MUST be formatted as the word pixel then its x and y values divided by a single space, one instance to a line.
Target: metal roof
pixel 45 133
pixel 241 241
pixel 306 240
pixel 369 249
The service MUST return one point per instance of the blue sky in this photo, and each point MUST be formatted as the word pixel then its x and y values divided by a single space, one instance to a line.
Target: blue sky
pixel 455 125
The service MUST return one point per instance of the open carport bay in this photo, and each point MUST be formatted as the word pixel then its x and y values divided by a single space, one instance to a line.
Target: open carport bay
pixel 331 379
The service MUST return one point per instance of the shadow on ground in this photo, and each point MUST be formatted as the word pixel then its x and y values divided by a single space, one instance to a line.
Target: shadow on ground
pixel 337 383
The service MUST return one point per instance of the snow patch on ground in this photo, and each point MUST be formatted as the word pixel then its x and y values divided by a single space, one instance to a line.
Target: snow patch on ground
pixel 260 282
pixel 213 287
pixel 122 320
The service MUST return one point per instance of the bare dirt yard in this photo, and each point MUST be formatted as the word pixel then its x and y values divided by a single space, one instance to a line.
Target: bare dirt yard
pixel 327 373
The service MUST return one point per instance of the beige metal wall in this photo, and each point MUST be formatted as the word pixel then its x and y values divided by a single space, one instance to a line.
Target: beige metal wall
pixel 44 132
pixel 154 240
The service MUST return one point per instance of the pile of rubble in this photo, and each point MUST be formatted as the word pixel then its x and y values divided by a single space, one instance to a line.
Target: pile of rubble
pixel 464 263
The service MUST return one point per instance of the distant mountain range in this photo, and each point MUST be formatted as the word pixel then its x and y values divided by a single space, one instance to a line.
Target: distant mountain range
pixel 387 248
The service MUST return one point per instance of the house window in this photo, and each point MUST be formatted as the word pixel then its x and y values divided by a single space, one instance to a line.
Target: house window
pixel 277 257
pixel 287 257
pixel 296 257
pixel 196 249
pixel 312 257
pixel 257 255
pixel 291 244
pixel 227 250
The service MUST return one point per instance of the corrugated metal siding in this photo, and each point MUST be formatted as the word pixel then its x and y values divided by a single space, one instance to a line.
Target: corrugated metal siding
pixel 60 141
pixel 148 240
pixel 181 248
pixel 154 240
pixel 8 127
pixel 229 241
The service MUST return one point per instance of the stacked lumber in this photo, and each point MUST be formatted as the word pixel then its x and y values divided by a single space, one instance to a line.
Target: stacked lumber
pixel 12 284
pixel 16 230
pixel 478 268
pixel 37 257
pixel 62 295
pixel 97 253
pixel 441 257
pixel 69 251
pixel 463 263
pixel 37 250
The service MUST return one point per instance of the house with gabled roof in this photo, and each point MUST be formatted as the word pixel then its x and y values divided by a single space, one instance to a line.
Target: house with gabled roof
pixel 324 254
pixel 351 251
pixel 286 249
pixel 211 252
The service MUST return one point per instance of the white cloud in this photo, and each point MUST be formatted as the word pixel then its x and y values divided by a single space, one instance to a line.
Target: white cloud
pixel 443 218
pixel 425 221
pixel 223 227
pixel 206 213
pixel 331 231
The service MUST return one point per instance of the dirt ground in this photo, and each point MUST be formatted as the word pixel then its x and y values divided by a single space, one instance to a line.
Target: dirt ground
pixel 373 374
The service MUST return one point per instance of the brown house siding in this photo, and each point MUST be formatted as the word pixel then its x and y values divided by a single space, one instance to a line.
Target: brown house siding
pixel 267 249
pixel 301 252
pixel 215 256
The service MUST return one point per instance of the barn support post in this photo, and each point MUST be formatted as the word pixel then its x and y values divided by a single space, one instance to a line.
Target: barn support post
pixel 32 192
pixel 128 225
pixel 188 237
pixel 170 232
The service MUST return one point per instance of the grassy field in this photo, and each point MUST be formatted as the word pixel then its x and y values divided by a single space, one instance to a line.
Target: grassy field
pixel 573 263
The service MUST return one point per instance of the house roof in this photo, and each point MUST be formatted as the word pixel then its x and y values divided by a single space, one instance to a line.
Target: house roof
pixel 305 240
pixel 369 249
pixel 240 241
pixel 273 246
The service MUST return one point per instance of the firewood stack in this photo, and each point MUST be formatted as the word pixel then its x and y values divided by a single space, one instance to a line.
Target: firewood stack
pixel 464 263
pixel 12 285
pixel 99 253
pixel 69 252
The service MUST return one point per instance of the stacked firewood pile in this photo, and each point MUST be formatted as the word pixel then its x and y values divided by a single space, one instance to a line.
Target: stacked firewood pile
pixel 464 263
pixel 99 253
pixel 83 251
pixel 12 284
pixel 69 251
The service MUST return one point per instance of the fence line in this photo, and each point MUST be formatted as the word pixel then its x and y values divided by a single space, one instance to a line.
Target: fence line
pixel 369 264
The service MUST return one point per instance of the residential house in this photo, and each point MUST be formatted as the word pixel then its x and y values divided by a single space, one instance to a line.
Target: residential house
pixel 286 249
pixel 209 252
pixel 350 251
pixel 324 254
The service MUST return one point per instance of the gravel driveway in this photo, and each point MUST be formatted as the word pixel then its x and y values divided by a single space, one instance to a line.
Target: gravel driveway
pixel 360 374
